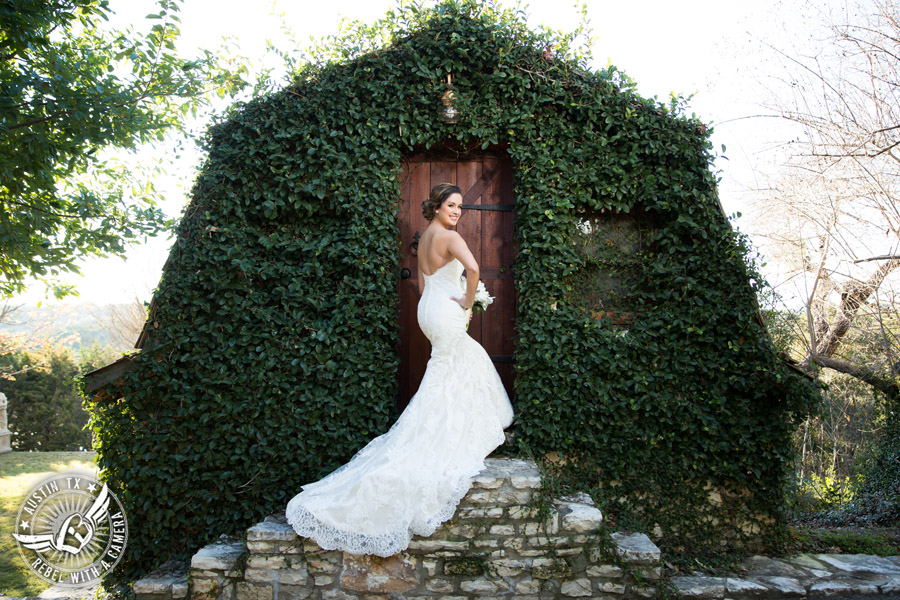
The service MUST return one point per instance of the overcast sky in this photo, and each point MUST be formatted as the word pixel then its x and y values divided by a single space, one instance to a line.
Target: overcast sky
pixel 712 50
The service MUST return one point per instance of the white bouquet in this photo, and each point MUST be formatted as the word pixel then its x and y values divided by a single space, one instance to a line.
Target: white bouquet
pixel 482 297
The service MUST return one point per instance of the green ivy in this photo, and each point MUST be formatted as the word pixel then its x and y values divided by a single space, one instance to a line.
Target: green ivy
pixel 273 353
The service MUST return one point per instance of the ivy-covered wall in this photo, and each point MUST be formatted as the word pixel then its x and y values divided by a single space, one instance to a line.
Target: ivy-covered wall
pixel 273 354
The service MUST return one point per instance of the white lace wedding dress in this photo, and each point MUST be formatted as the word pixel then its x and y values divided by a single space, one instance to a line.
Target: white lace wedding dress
pixel 409 480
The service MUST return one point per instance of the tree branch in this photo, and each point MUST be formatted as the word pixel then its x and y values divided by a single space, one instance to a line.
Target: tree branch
pixel 854 294
pixel 882 257
pixel 850 153
pixel 40 120
pixel 46 212
pixel 887 385
pixel 812 295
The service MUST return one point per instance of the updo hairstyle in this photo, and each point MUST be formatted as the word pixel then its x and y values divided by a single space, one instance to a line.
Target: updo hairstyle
pixel 439 193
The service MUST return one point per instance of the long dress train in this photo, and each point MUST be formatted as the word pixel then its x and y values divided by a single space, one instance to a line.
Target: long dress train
pixel 409 480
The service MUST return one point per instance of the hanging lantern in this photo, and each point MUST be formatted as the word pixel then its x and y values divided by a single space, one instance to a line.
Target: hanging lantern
pixel 449 113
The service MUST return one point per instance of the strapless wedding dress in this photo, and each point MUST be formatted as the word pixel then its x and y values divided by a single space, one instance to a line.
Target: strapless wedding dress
pixel 409 480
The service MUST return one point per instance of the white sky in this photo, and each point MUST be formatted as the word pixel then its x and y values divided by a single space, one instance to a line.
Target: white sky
pixel 708 48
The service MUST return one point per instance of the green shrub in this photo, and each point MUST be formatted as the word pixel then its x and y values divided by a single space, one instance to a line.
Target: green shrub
pixel 878 500
pixel 45 409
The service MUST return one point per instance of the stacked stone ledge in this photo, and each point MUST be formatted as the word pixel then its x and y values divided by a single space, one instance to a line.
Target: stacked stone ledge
pixel 216 570
pixel 801 576
pixel 169 582
pixel 495 546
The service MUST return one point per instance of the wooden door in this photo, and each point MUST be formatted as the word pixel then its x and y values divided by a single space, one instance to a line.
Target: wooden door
pixel 487 226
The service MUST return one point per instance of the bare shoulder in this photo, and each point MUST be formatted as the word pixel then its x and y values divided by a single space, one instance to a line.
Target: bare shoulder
pixel 446 238
pixel 456 245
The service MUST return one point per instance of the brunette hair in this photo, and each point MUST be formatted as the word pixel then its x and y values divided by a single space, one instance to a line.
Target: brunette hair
pixel 439 193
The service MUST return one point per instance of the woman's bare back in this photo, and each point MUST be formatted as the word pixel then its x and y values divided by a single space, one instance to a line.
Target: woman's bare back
pixel 434 249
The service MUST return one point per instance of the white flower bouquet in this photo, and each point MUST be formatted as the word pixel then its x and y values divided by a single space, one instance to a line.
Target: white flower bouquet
pixel 482 298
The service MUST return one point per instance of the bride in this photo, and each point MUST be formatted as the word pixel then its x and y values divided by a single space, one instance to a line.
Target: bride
pixel 409 480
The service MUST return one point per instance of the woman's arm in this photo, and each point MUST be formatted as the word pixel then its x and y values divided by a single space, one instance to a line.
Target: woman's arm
pixel 460 251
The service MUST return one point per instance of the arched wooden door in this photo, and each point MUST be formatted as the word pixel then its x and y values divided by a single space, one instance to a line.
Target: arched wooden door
pixel 487 226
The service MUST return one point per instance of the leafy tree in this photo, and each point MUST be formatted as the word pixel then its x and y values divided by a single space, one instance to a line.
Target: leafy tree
pixel 72 94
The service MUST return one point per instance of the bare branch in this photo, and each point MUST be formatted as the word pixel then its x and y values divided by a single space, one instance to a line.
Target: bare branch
pixel 883 257
pixel 887 385
pixel 853 296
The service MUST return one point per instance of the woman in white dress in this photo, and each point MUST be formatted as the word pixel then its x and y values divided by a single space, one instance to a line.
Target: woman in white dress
pixel 409 480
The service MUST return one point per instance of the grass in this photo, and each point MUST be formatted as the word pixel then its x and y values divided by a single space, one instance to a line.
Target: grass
pixel 18 472
pixel 880 541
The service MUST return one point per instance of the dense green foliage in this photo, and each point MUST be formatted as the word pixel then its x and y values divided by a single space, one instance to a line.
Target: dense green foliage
pixel 874 498
pixel 70 88
pixel 45 409
pixel 273 354
pixel 836 446
pixel 879 498
pixel 848 471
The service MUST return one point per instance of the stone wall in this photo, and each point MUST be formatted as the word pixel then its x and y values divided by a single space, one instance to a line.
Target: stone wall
pixel 494 546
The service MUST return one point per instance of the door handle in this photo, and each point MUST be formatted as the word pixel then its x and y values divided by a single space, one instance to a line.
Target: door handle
pixel 405 274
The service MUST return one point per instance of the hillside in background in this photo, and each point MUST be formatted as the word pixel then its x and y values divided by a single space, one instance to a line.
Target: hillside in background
pixel 77 325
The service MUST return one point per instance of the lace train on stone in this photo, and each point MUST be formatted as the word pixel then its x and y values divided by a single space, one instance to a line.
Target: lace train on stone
pixel 409 480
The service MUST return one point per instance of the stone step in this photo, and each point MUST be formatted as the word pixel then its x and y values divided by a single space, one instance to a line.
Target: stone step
pixel 161 587
pixel 801 576
pixel 168 582
pixel 496 544
pixel 278 562
pixel 804 575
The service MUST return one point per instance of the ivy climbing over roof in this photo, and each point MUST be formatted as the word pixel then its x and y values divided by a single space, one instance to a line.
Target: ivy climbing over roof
pixel 273 354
